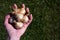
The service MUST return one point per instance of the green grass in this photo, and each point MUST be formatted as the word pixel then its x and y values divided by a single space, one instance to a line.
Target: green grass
pixel 46 19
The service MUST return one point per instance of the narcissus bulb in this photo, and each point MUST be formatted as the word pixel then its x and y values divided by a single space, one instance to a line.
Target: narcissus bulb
pixel 11 20
pixel 22 11
pixel 18 25
pixel 19 17
pixel 25 19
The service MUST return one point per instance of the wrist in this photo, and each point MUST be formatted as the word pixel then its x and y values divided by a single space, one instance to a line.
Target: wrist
pixel 13 38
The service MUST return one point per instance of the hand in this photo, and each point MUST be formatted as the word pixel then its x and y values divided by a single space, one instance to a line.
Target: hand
pixel 15 34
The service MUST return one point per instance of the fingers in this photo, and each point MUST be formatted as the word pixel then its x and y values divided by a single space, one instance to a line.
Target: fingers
pixel 6 23
pixel 6 19
pixel 23 5
pixel 27 10
pixel 15 6
pixel 30 19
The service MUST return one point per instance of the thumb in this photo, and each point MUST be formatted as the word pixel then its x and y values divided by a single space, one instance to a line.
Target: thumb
pixel 6 19
pixel 8 26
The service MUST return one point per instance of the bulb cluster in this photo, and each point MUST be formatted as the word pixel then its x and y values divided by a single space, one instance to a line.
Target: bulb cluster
pixel 20 17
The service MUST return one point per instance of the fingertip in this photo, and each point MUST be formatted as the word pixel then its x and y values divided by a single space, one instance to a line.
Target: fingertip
pixel 30 19
pixel 7 16
pixel 5 21
pixel 27 9
pixel 15 6
pixel 23 5
pixel 30 16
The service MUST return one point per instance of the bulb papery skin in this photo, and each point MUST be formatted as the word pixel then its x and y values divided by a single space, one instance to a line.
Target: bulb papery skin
pixel 11 20
pixel 19 25
pixel 17 11
pixel 22 11
pixel 19 17
pixel 25 19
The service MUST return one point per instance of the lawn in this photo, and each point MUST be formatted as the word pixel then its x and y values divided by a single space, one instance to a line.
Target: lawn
pixel 46 19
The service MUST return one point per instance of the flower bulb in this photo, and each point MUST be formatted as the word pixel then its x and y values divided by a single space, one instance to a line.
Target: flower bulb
pixel 25 19
pixel 19 17
pixel 19 25
pixel 22 11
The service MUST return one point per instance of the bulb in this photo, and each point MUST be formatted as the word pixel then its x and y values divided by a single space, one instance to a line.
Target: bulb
pixel 25 19
pixel 22 11
pixel 19 25
pixel 16 11
pixel 19 17
pixel 11 20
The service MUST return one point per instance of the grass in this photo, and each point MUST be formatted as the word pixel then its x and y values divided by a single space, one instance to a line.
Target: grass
pixel 46 19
